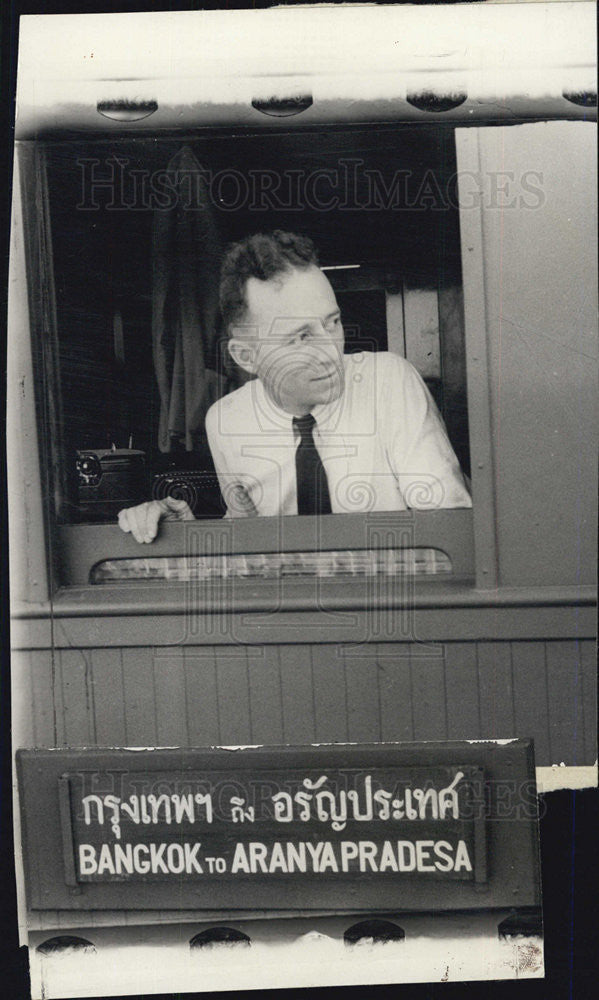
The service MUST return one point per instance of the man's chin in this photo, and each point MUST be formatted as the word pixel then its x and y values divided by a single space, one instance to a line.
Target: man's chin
pixel 331 391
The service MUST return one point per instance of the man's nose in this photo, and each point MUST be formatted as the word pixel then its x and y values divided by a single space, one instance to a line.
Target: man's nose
pixel 324 335
pixel 324 345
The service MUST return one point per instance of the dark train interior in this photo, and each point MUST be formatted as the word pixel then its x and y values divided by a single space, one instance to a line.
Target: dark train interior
pixel 380 203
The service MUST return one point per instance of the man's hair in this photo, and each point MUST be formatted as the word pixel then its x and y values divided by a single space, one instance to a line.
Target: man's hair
pixel 261 256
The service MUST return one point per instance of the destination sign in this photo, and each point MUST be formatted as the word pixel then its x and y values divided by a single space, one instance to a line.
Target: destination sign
pixel 415 826
pixel 220 824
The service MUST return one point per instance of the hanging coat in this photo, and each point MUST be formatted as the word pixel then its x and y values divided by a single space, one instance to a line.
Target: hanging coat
pixel 186 255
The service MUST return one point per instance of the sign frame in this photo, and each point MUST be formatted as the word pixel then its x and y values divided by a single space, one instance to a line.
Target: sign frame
pixel 506 871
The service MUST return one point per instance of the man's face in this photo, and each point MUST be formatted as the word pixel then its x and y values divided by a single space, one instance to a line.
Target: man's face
pixel 295 341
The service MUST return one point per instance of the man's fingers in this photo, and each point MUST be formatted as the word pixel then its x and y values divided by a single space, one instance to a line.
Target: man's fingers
pixel 137 520
pixel 177 509
pixel 142 521
pixel 124 520
pixel 154 512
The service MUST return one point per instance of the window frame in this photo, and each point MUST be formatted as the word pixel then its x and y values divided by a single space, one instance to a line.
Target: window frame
pixel 72 550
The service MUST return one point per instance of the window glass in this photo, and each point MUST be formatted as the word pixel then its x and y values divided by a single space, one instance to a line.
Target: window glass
pixel 415 561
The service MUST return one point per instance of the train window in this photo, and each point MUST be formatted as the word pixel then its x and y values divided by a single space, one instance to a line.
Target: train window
pixel 132 352
pixel 262 565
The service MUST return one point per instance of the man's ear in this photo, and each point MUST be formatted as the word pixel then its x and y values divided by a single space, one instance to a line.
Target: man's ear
pixel 242 352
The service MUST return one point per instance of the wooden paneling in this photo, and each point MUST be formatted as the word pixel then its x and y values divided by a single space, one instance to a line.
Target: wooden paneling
pixel 429 709
pixel 453 353
pixel 330 696
pixel 539 251
pixel 362 685
pixel 565 689
pixel 532 709
pixel 171 697
pixel 298 694
pixel 421 316
pixel 462 691
pixel 496 696
pixel 233 697
pixel 395 693
pixel 203 725
pixel 347 610
pixel 43 698
pixel 75 703
pixel 22 715
pixel 588 666
pixel 140 697
pixel 109 697
pixel 266 704
pixel 395 324
pixel 453 369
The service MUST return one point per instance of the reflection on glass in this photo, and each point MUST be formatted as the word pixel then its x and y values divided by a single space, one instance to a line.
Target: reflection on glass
pixel 417 561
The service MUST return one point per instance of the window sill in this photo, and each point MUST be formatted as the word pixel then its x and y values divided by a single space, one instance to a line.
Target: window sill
pixel 339 594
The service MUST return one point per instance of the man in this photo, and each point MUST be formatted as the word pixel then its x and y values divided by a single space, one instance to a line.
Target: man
pixel 314 430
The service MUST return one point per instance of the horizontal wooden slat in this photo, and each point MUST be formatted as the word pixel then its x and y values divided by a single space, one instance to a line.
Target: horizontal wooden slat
pixel 294 594
pixel 438 623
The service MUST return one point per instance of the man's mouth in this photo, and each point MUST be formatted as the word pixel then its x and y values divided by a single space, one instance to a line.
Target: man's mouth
pixel 325 375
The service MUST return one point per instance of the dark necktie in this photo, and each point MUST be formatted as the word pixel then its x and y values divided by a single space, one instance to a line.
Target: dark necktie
pixel 312 487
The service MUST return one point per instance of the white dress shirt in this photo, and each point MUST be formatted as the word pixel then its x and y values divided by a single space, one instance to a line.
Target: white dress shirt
pixel 382 443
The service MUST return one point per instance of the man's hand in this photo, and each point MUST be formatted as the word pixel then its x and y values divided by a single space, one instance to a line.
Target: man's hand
pixel 142 521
